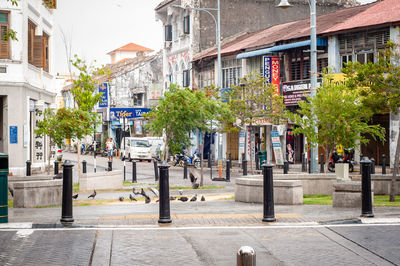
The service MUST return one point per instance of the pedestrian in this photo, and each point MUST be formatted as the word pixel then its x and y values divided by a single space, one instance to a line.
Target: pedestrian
pixel 110 148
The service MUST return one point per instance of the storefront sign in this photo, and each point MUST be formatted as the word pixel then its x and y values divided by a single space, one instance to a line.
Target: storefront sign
pixel 117 113
pixel 271 70
pixel 103 88
pixel 276 145
pixel 296 91
pixel 242 139
pixel 13 134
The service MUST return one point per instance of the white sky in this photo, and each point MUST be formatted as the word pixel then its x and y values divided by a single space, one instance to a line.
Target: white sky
pixel 96 27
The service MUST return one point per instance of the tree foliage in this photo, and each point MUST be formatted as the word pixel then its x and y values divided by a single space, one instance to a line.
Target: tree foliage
pixel 339 117
pixel 182 111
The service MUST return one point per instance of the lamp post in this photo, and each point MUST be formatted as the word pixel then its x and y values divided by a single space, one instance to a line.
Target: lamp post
pixel 313 52
pixel 217 22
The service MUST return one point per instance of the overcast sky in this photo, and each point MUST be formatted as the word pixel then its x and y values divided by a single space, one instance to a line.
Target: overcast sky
pixel 96 27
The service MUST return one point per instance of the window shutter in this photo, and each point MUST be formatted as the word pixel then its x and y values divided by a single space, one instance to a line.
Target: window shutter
pixel 186 82
pixel 38 51
pixel 186 25
pixel 4 45
pixel 168 32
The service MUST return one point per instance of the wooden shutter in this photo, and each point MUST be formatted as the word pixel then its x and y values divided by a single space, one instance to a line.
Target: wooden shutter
pixel 38 51
pixel 4 45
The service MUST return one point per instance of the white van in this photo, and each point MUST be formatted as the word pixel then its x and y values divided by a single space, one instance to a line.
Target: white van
pixel 136 149
pixel 157 145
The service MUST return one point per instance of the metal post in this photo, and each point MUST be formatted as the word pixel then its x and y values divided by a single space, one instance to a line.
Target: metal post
pixel 124 170
pixel 309 166
pixel 165 216
pixel 269 213
pixel 383 164
pixel 109 165
pixel 361 158
pixel 134 171
pixel 56 167
pixel 28 168
pixel 303 162
pixel 66 210
pixel 244 164
pixel 366 196
pixel 285 167
pixel 210 165
pixel 228 170
pixel 257 161
pixel 372 166
pixel 94 156
pixel 209 160
pixel 84 167
pixel 185 165
pixel 155 170
pixel 246 256
pixel 322 170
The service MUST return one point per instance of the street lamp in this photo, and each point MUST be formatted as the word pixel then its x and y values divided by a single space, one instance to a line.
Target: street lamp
pixel 314 74
pixel 218 41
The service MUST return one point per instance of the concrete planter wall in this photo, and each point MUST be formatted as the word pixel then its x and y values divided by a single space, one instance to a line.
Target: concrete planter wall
pixel 101 181
pixel 382 183
pixel 29 194
pixel 347 194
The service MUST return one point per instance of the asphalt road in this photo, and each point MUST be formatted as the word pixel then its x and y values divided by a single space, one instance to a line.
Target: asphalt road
pixel 274 245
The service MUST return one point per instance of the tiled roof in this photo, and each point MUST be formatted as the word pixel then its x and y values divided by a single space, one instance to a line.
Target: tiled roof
pixel 131 47
pixel 163 3
pixel 384 12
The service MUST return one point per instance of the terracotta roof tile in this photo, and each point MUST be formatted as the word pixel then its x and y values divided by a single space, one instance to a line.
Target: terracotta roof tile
pixel 132 47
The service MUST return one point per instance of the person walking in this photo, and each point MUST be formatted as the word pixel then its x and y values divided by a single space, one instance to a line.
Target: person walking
pixel 110 148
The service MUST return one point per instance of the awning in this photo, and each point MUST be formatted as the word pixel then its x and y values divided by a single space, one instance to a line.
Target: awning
pixel 277 48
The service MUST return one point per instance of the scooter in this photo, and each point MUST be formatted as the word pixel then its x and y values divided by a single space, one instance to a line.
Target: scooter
pixel 347 158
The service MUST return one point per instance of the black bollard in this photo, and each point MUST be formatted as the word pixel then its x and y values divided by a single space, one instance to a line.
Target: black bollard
pixel 244 164
pixel 134 171
pixel 210 165
pixel 285 167
pixel 309 166
pixel 269 213
pixel 185 165
pixel 165 216
pixel 66 210
pixel 383 164
pixel 372 166
pixel 209 160
pixel 28 168
pixel 155 170
pixel 109 165
pixel 361 158
pixel 124 170
pixel 84 167
pixel 322 170
pixel 366 197
pixel 56 167
pixel 303 162
pixel 228 170
pixel 257 161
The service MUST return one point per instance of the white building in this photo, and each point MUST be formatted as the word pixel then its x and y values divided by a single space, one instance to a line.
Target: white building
pixel 26 80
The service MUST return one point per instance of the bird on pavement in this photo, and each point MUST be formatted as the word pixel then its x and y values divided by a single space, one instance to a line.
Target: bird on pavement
pixel 154 190
pixel 11 191
pixel 183 199
pixel 75 196
pixel 93 194
pixel 203 198
pixel 132 197
pixel 135 192
pixel 121 198
pixel 143 193
pixel 195 186
pixel 180 192
pixel 172 198
pixel 147 200
pixel 194 198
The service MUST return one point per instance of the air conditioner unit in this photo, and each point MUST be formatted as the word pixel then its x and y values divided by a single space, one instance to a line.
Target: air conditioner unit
pixel 167 44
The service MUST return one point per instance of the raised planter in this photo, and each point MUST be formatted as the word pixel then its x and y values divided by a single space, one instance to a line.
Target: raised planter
pixel 382 183
pixel 29 194
pixel 101 181
pixel 286 192
pixel 347 194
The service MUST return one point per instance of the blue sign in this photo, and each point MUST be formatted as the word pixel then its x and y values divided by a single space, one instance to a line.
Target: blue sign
pixel 267 68
pixel 103 88
pixel 13 134
pixel 130 113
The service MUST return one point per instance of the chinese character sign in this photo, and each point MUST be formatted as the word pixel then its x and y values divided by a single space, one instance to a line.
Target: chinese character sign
pixel 103 88
pixel 271 71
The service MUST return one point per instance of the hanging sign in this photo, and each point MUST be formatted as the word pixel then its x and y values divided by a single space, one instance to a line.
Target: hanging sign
pixel 271 71
pixel 103 88
pixel 276 145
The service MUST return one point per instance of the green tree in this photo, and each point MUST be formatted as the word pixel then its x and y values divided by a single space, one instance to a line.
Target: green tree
pixel 254 99
pixel 379 86
pixel 339 117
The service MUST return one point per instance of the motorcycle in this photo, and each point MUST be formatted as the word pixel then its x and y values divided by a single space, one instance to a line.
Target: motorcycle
pixel 180 158
pixel 347 158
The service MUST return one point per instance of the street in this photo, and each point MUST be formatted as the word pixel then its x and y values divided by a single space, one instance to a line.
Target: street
pixel 274 245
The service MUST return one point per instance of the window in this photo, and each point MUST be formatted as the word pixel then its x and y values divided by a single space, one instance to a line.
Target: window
pixel 186 24
pixel 38 48
pixel 4 45
pixel 168 33
pixel 231 72
pixel 186 78
pixel 138 99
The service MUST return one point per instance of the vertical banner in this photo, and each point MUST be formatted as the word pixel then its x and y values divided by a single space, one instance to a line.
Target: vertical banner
pixel 276 145
pixel 103 88
pixel 138 127
pixel 271 71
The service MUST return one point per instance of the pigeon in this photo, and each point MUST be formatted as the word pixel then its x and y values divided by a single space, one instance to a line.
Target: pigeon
pixel 132 197
pixel 180 192
pixel 183 199
pixel 11 191
pixel 121 198
pixel 147 200
pixel 135 192
pixel 195 186
pixel 172 198
pixel 93 194
pixel 75 196
pixel 194 198
pixel 143 193
pixel 192 178
pixel 154 190
pixel 203 198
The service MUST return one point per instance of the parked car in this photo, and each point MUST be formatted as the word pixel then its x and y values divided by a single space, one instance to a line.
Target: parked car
pixel 136 149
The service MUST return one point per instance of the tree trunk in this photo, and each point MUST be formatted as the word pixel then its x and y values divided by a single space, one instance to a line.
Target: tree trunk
pixel 395 171
pixel 79 160
pixel 327 152
pixel 48 165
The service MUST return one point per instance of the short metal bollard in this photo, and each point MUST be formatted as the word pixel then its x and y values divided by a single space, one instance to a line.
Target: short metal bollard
pixel 303 162
pixel 134 171
pixel 155 170
pixel 322 170
pixel 124 170
pixel 185 168
pixel 309 166
pixel 228 170
pixel 244 164
pixel 165 215
pixel 285 167
pixel 56 167
pixel 366 197
pixel 268 187
pixel 28 168
pixel 257 161
pixel 246 256
pixel 361 158
pixel 66 209
pixel 84 167
pixel 383 164
pixel 372 166
pixel 109 166
pixel 209 160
